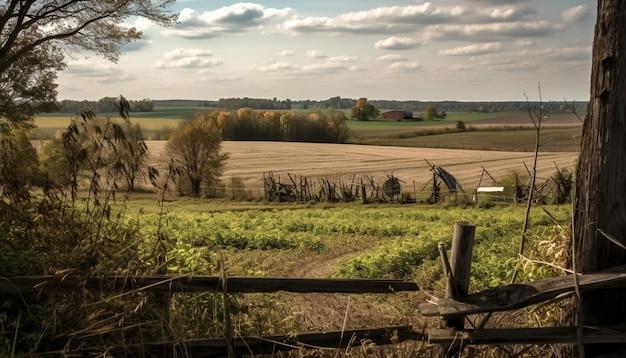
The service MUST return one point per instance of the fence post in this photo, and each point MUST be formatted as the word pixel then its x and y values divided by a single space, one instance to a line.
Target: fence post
pixel 228 327
pixel 515 191
pixel 458 281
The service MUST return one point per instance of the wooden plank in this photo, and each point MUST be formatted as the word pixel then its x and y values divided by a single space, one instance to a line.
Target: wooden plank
pixel 516 296
pixel 525 336
pixel 270 344
pixel 32 285
pixel 490 189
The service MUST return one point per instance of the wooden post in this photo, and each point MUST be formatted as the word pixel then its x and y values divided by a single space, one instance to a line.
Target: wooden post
pixel 516 191
pixel 363 193
pixel 228 327
pixel 459 278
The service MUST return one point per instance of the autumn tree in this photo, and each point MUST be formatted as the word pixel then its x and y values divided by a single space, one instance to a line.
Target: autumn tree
pixel 364 111
pixel 600 215
pixel 34 36
pixel 196 146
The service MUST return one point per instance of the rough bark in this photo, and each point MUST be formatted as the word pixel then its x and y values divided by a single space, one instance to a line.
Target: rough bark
pixel 601 178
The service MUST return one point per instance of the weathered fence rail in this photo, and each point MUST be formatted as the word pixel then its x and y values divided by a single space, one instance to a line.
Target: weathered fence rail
pixel 516 296
pixel 526 336
pixel 191 284
pixel 271 344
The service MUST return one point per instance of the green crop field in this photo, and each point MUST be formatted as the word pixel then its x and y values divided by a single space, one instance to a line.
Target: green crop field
pixel 386 241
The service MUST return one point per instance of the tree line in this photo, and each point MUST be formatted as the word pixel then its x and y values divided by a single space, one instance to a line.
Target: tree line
pixel 103 105
pixel 248 124
pixel 339 103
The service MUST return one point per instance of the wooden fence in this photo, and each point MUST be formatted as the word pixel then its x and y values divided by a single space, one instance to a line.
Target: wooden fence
pixel 229 345
pixel 451 336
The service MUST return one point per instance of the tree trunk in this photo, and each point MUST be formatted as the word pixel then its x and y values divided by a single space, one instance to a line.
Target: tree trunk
pixel 195 186
pixel 601 179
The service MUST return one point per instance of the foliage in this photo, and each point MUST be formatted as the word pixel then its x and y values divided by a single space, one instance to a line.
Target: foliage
pixel 103 105
pixel 195 146
pixel 255 103
pixel 432 113
pixel 247 124
pixel 34 36
pixel 18 165
pixel 460 125
pixel 28 85
pixel 364 111
pixel 132 156
pixel 59 233
pixel 394 241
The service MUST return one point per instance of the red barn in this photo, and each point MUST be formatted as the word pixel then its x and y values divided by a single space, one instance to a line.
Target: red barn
pixel 397 116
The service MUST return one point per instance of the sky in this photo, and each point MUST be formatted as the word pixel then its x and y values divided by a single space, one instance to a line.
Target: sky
pixel 465 50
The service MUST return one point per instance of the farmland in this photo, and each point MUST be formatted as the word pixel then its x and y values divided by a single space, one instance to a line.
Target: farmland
pixel 249 160
pixel 518 140
pixel 336 241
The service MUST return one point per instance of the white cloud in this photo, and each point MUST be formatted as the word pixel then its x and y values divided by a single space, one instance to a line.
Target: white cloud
pixel 239 17
pixel 286 53
pixel 95 69
pixel 391 58
pixel 473 49
pixel 509 14
pixel 275 67
pixel 404 67
pixel 188 58
pixel 187 52
pixel 141 24
pixel 344 59
pixel 566 53
pixel 575 14
pixel 289 69
pixel 397 43
pixel 315 54
pixel 376 20
pixel 496 30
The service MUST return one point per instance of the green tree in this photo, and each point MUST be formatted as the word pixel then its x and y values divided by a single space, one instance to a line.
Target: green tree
pixel 18 165
pixel 195 146
pixel 364 111
pixel 34 36
pixel 430 113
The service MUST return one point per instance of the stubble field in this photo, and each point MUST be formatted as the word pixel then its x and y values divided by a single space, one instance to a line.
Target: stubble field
pixel 249 160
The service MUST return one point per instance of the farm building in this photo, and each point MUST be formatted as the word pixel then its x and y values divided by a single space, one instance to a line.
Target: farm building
pixel 398 116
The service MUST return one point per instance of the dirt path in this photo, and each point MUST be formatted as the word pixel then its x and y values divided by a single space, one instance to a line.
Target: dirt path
pixel 323 269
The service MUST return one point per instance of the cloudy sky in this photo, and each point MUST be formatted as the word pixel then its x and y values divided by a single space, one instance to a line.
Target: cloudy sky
pixel 436 50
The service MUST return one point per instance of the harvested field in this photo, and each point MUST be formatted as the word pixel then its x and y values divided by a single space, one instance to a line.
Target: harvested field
pixel 553 139
pixel 249 160
pixel 522 119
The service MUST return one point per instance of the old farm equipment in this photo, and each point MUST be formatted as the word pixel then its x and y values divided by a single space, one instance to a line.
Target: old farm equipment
pixel 494 188
pixel 442 176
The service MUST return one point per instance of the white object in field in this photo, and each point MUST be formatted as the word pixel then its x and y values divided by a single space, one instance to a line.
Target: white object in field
pixel 490 189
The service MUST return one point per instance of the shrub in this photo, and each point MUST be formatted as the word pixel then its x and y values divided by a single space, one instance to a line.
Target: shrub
pixel 460 125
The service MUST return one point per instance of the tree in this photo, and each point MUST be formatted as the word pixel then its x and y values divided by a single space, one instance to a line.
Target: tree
pixel 429 113
pixel 29 86
pixel 18 165
pixel 600 209
pixel 195 146
pixel 35 34
pixel 364 111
